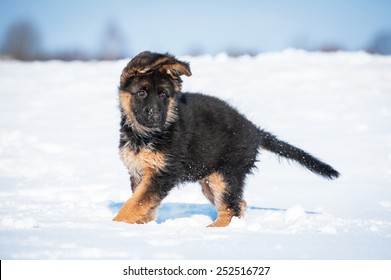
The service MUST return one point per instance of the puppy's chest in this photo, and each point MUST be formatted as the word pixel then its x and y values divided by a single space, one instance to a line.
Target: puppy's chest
pixel 138 162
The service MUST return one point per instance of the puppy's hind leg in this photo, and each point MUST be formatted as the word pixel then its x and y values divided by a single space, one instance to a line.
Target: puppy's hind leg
pixel 207 190
pixel 217 190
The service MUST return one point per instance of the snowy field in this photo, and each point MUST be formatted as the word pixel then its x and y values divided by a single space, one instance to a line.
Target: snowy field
pixel 61 180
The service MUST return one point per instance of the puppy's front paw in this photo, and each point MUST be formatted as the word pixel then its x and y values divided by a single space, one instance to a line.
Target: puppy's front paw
pixel 221 222
pixel 134 219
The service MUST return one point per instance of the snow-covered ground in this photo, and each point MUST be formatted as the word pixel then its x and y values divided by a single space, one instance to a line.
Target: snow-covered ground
pixel 61 180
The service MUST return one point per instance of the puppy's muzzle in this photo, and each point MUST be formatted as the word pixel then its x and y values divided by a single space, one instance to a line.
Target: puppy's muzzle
pixel 154 116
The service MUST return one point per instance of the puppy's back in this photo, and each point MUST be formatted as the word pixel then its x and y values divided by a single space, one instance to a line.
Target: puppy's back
pixel 215 134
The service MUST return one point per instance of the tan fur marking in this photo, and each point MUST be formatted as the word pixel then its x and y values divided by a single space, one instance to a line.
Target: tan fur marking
pixel 217 186
pixel 206 190
pixel 224 217
pixel 171 113
pixel 176 69
pixel 140 208
pixel 137 163
pixel 125 100
pixel 213 187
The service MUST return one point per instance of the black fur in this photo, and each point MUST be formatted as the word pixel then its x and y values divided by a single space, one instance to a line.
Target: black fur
pixel 271 143
pixel 204 136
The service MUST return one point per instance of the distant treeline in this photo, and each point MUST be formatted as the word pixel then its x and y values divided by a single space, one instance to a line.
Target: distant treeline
pixel 22 41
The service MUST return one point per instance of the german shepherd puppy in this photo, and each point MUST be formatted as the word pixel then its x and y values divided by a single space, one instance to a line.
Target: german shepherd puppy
pixel 168 137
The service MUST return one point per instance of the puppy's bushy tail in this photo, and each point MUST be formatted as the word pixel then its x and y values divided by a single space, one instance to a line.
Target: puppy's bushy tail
pixel 271 143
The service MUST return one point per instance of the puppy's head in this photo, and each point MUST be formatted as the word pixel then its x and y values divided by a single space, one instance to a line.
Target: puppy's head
pixel 148 88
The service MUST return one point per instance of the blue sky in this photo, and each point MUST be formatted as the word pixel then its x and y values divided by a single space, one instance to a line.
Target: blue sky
pixel 181 27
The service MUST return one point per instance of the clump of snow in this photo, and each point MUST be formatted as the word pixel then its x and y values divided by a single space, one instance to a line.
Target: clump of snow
pixel 61 180
pixel 295 214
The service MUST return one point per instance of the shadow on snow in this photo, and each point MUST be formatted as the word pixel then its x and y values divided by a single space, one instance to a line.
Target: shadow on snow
pixel 170 211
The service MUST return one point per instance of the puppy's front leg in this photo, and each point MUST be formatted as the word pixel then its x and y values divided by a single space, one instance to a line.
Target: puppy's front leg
pixel 140 208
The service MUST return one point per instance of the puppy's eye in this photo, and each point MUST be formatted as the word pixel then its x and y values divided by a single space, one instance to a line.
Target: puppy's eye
pixel 163 94
pixel 142 93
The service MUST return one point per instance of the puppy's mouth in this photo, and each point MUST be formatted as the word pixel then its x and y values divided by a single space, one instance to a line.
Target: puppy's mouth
pixel 150 119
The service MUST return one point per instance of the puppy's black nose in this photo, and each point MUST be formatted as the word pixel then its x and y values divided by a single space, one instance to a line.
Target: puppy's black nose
pixel 153 115
pixel 157 117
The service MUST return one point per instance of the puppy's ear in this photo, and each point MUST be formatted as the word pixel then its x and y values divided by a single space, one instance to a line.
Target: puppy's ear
pixel 176 69
pixel 147 62
pixel 141 64
pixel 127 74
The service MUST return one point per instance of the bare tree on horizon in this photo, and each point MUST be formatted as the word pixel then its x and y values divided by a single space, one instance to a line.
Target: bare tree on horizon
pixel 22 41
